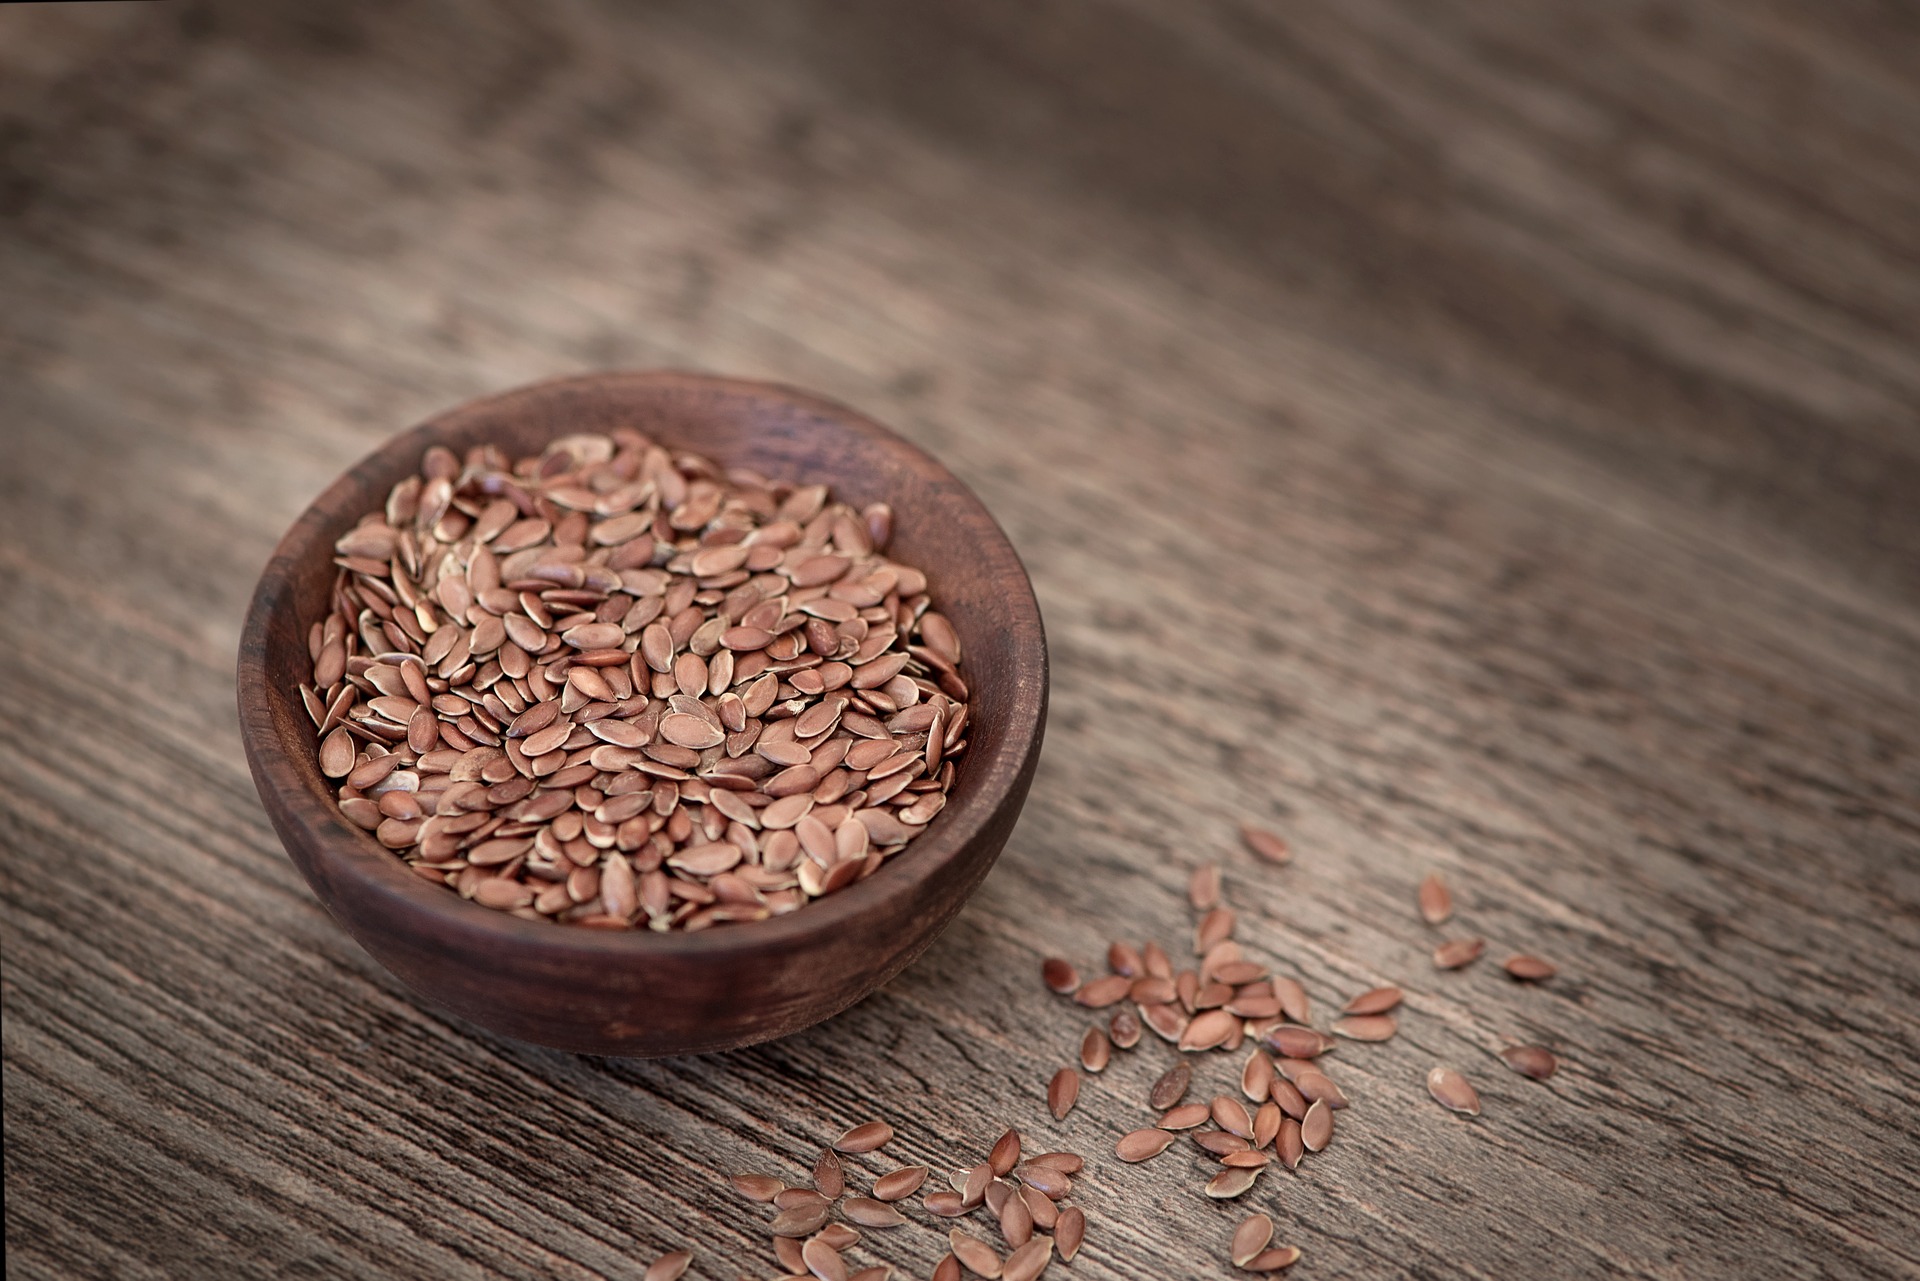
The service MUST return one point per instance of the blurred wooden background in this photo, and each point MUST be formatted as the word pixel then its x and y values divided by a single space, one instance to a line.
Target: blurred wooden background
pixel 1468 436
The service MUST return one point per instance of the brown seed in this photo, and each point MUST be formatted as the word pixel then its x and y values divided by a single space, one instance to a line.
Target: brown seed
pixel 1095 1050
pixel 1005 1154
pixel 1266 1123
pixel 336 753
pixel 823 1260
pixel 1293 1000
pixel 1232 1182
pixel 869 1213
pixel 947 1205
pixel 1167 1022
pixel 1256 1078
pixel 1208 1030
pixel 1029 1261
pixel 1287 1145
pixel 1170 1088
pixel 1230 1114
pixel 1186 1116
pixel 1059 975
pixel 1219 1142
pixel 864 1138
pixel 1436 901
pixel 1123 960
pixel 790 1198
pixel 1316 1128
pixel 1016 1221
pixel 1044 1178
pixel 899 1184
pixel 1124 1029
pixel 1215 927
pixel 1377 1001
pixel 1529 969
pixel 974 1190
pixel 1458 952
pixel 1062 1091
pixel 1203 887
pixel 1273 1260
pixel 974 1254
pixel 1298 1042
pixel 1287 1097
pixel 1318 1086
pixel 1106 990
pixel 1535 1061
pixel 1070 1232
pixel 828 1176
pixel 1452 1091
pixel 669 1267
pixel 1247 1158
pixel 948 1269
pixel 1265 845
pixel 1366 1027
pixel 757 1187
pixel 800 1221
pixel 1065 1162
pixel 1249 1239
pixel 878 1272
pixel 1142 1145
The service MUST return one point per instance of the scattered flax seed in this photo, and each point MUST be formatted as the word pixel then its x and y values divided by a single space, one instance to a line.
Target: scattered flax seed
pixel 1293 999
pixel 1452 1091
pixel 1065 1162
pixel 1203 887
pixel 1535 1061
pixel 1016 1220
pixel 869 1137
pixel 878 1272
pixel 1062 1091
pixel 1109 989
pixel 669 1267
pixel 1286 1095
pixel 1249 1158
pixel 1378 1001
pixel 788 1198
pixel 1318 1087
pixel 1529 968
pixel 1266 1123
pixel 1288 1145
pixel 839 1236
pixel 1186 1116
pixel 1219 1142
pixel 1207 1030
pixel 945 1204
pixel 1257 1076
pixel 1266 846
pixel 1123 959
pixel 1231 1115
pixel 974 1254
pixel 800 1221
pixel 1232 1182
pixel 1059 975
pixel 975 1189
pixel 869 1213
pixel 1436 900
pixel 787 1251
pixel 1046 1179
pixel 948 1269
pixel 1124 1029
pixel 828 1176
pixel 756 1187
pixel 1170 1088
pixel 1366 1027
pixel 899 1184
pixel 1457 953
pixel 1095 1050
pixel 1029 1261
pixel 823 1260
pixel 1215 927
pixel 1316 1130
pixel 1005 1154
pixel 1273 1260
pixel 1249 1239
pixel 1298 1042
pixel 1069 1232
pixel 1142 1145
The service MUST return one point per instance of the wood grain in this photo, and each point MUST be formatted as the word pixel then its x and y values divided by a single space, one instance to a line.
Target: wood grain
pixel 1467 437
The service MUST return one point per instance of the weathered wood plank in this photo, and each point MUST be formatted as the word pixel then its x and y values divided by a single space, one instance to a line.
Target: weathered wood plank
pixel 1475 439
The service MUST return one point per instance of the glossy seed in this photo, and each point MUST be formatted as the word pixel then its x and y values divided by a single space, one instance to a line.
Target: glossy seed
pixel 1208 1029
pixel 1170 1088
pixel 1065 1162
pixel 669 1267
pixel 1535 1061
pixel 823 1260
pixel 1062 1091
pixel 1186 1116
pixel 1366 1027
pixel 1232 1182
pixel 1266 1123
pixel 1016 1220
pixel 1529 969
pixel 1377 1001
pixel 945 1204
pixel 1456 953
pixel 948 1269
pixel 1029 1261
pixel 1250 1238
pixel 1203 887
pixel 1231 1115
pixel 1287 1145
pixel 1248 1158
pixel 1298 1042
pixel 828 1176
pixel 1266 846
pixel 1273 1260
pixel 1436 901
pixel 1256 1077
pixel 870 1213
pixel 1095 1050
pixel 1005 1154
pixel 1452 1091
pixel 1069 1232
pixel 1124 1029
pixel 1316 1128
pixel 974 1254
pixel 800 1221
pixel 900 1184
pixel 864 1138
pixel 1108 989
pixel 757 1187
pixel 1287 1095
pixel 1142 1145
pixel 1219 1142
pixel 1317 1087
pixel 1059 975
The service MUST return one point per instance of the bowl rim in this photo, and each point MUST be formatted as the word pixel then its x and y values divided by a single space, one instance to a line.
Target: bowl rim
pixel 342 847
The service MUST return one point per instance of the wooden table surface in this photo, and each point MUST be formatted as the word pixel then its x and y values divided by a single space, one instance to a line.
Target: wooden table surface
pixel 1466 437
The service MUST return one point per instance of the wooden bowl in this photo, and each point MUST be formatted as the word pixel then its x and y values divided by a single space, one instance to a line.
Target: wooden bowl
pixel 639 992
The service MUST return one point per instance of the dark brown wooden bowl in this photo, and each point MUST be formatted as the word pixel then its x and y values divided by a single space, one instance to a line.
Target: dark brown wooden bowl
pixel 639 992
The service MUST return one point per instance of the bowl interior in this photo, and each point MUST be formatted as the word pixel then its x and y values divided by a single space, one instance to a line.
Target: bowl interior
pixel 974 577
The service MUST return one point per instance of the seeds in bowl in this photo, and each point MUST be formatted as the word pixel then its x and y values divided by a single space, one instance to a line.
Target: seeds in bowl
pixel 615 686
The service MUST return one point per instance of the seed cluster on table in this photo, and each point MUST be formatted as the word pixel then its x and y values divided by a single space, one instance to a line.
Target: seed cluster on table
pixel 613 686
pixel 1025 1197
pixel 1225 1001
